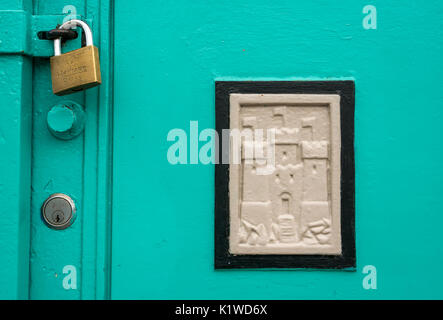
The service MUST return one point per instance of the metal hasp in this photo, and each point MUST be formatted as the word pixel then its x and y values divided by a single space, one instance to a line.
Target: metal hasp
pixel 63 34
pixel 59 211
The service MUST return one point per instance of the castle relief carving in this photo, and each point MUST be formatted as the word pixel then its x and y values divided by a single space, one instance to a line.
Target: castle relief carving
pixel 285 192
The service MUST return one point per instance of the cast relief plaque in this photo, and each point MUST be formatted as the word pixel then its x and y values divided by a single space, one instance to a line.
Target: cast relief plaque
pixel 285 198
pixel 287 202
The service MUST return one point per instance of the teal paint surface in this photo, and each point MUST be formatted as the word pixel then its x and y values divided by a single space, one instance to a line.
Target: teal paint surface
pixel 15 176
pixel 33 256
pixel 15 167
pixel 77 167
pixel 163 220
pixel 162 215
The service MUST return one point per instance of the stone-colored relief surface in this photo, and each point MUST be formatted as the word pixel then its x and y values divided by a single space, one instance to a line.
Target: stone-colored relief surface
pixel 294 208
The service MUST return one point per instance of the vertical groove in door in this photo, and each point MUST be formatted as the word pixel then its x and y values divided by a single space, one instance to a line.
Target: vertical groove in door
pixel 80 167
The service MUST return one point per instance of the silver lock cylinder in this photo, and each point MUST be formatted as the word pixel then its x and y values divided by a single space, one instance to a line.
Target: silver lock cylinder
pixel 59 211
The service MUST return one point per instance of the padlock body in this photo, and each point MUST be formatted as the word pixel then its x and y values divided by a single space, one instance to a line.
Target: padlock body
pixel 75 71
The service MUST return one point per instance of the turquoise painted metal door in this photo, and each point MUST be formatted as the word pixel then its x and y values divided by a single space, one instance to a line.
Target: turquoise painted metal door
pixel 145 227
pixel 37 262
pixel 163 214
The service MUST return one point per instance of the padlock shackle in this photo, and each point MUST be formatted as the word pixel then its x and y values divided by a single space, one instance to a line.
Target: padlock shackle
pixel 71 24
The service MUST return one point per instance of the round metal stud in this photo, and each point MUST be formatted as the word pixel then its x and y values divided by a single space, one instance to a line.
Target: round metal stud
pixel 66 120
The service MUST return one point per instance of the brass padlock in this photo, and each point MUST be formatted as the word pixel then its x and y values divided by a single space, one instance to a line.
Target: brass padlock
pixel 75 70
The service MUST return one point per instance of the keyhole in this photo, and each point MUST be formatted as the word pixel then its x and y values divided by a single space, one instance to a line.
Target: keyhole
pixel 58 217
